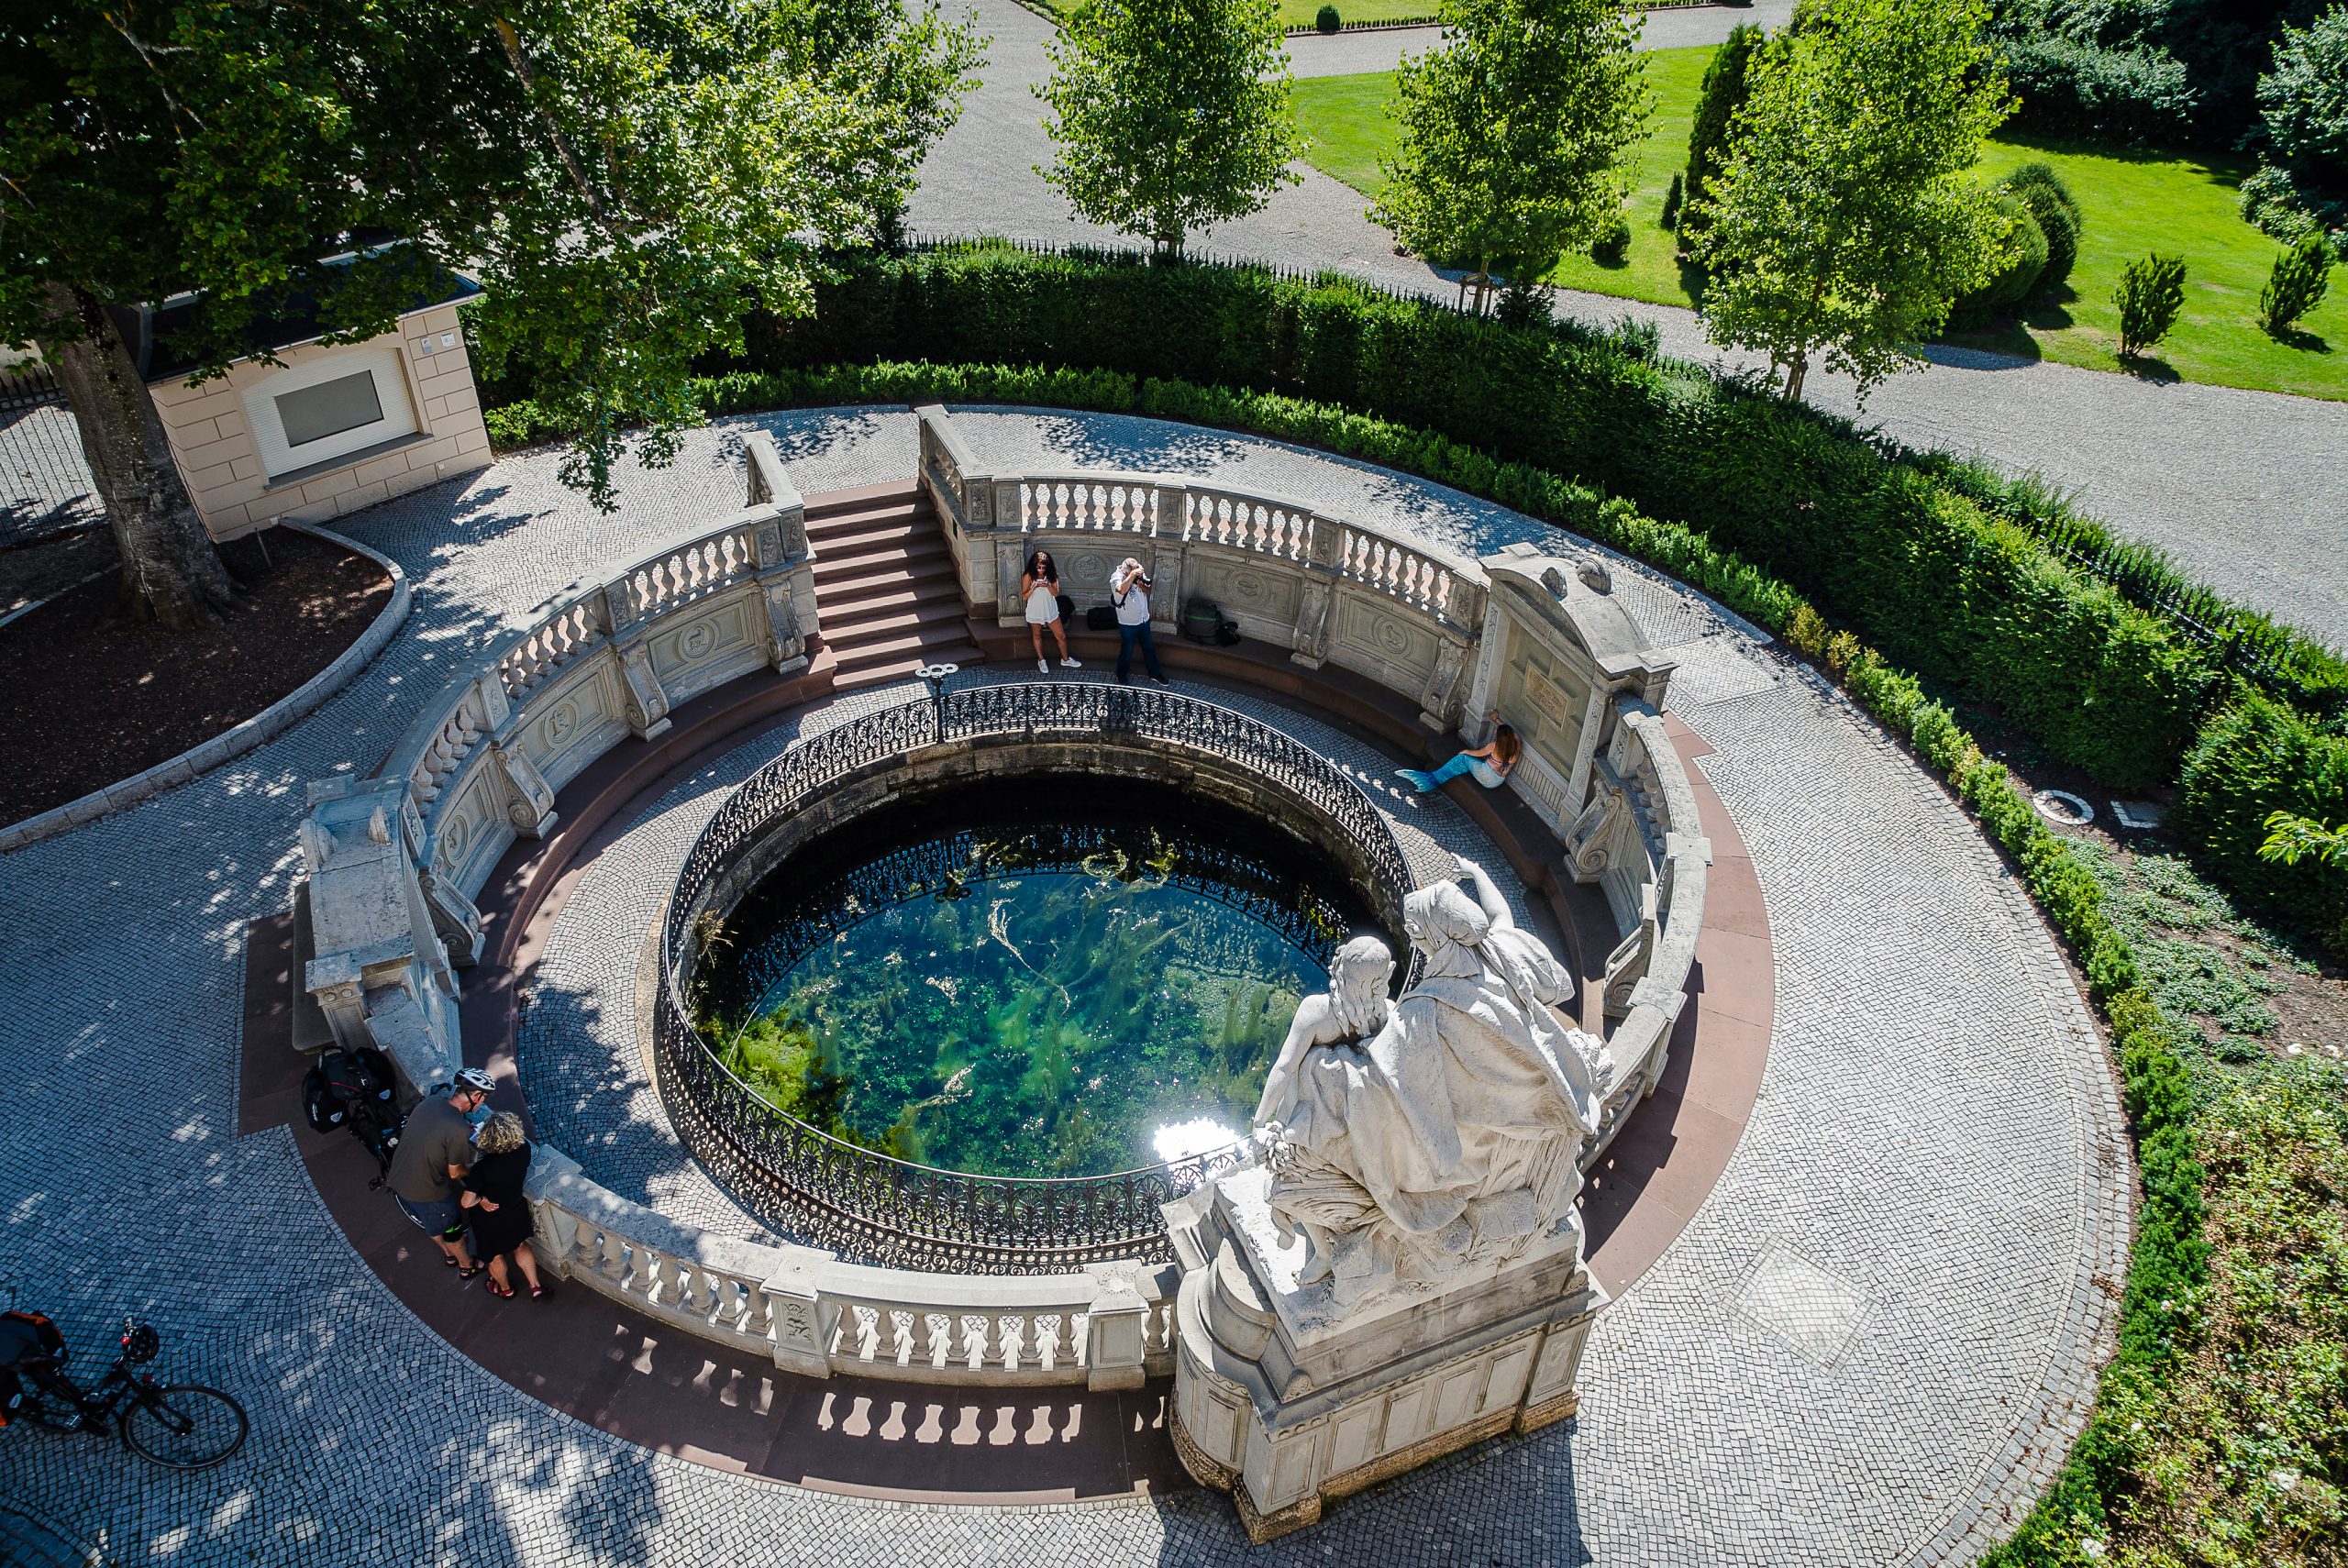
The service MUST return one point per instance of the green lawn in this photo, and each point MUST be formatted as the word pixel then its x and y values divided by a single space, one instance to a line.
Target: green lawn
pixel 2132 204
pixel 1306 12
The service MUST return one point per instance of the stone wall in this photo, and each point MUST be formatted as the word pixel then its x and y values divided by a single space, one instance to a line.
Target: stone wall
pixel 210 429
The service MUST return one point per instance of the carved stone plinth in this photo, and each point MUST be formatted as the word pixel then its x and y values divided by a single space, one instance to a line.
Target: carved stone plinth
pixel 1286 1403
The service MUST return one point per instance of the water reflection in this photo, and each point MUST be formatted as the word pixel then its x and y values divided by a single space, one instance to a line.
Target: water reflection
pixel 1053 980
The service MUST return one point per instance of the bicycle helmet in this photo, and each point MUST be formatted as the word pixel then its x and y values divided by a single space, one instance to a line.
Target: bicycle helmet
pixel 472 1080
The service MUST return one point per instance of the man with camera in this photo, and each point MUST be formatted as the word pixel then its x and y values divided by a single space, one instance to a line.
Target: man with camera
pixel 1129 591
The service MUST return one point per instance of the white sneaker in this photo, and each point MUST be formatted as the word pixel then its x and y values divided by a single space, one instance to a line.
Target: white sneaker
pixel 1043 667
pixel 1071 663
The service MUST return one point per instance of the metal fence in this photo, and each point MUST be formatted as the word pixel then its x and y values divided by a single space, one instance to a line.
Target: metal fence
pixel 893 1212
pixel 44 485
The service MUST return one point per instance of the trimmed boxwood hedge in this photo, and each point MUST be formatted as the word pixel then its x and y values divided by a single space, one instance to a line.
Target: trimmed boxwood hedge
pixel 1921 556
pixel 1938 561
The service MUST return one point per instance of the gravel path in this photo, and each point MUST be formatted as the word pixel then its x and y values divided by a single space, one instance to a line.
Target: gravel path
pixel 1868 1346
pixel 1350 54
pixel 2248 491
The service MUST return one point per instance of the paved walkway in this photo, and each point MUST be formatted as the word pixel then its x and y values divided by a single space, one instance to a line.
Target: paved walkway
pixel 1350 54
pixel 1867 1346
pixel 2246 490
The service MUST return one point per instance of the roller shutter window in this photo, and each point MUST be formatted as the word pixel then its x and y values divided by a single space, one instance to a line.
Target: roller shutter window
pixel 328 408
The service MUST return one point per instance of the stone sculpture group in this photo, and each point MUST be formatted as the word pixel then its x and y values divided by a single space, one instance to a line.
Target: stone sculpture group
pixel 1406 1139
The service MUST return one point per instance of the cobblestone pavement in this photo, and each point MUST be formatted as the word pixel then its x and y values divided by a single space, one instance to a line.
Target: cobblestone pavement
pixel 1851 1355
pixel 2246 490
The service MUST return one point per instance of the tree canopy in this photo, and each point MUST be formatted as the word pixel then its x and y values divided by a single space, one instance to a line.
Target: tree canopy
pixel 1169 115
pixel 1847 218
pixel 1515 135
pixel 627 178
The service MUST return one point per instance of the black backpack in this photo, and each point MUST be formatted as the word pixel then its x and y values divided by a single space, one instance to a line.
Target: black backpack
pixel 1100 618
pixel 356 1075
pixel 321 1106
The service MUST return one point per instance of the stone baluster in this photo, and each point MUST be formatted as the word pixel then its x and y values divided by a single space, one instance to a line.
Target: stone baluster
pixel 645 703
pixel 1113 1333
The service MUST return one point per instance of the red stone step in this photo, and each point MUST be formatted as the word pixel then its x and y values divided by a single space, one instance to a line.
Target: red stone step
pixel 899 666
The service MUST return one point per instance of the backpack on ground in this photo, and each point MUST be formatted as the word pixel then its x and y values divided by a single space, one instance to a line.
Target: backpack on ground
pixel 1203 622
pixel 364 1073
pixel 321 1107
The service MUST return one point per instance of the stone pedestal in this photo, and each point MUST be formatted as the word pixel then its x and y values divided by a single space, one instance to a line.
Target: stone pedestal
pixel 1284 1401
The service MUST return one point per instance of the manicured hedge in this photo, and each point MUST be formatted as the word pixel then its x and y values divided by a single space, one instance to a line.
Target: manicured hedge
pixel 1926 560
pixel 1942 563
pixel 2256 757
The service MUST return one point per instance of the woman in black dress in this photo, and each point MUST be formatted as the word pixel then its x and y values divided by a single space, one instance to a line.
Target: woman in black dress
pixel 494 1208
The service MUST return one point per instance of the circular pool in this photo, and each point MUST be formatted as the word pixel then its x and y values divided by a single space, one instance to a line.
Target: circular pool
pixel 981 982
pixel 1028 977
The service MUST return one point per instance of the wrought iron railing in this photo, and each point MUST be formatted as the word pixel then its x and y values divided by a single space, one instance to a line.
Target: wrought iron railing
pixel 888 1211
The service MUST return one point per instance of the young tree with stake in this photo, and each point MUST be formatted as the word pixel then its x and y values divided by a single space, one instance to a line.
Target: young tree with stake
pixel 1169 115
pixel 1846 219
pixel 1515 136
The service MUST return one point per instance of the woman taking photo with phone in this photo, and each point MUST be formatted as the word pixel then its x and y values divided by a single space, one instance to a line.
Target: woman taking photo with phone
pixel 1039 589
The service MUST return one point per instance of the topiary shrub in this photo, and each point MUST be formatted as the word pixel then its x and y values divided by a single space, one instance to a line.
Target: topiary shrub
pixel 2059 219
pixel 1612 246
pixel 1326 19
pixel 2151 292
pixel 1722 91
pixel 2302 274
pixel 1671 200
pixel 2015 282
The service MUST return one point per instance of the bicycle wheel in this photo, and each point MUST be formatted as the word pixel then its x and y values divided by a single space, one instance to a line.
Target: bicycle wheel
pixel 184 1427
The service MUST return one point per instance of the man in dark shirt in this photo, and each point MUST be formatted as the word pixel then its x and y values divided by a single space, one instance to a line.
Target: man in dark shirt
pixel 436 1150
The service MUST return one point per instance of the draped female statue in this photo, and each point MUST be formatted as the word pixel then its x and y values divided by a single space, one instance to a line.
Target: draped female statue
pixel 1450 1133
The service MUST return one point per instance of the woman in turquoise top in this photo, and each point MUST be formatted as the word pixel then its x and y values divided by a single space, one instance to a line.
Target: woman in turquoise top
pixel 1490 763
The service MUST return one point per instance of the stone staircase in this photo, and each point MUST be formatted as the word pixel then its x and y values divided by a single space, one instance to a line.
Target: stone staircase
pixel 885 585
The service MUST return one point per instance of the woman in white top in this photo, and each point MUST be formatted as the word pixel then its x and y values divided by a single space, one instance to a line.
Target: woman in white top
pixel 1039 587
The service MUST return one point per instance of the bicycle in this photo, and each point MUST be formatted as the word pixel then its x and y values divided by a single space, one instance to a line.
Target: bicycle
pixel 181 1426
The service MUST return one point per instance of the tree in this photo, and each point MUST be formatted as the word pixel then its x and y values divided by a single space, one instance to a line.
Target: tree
pixel 626 179
pixel 2151 292
pixel 1847 218
pixel 1169 115
pixel 2301 277
pixel 1515 136
pixel 1723 90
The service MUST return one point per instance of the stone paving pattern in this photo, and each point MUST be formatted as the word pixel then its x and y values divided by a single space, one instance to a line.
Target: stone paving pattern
pixel 2244 489
pixel 1936 1131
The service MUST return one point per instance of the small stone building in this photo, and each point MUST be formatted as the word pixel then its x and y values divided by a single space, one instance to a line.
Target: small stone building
pixel 331 429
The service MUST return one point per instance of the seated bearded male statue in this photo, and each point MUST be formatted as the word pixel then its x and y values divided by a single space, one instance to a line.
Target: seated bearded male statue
pixel 1408 1139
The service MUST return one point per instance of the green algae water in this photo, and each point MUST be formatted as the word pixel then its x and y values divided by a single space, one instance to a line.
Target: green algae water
pixel 1044 977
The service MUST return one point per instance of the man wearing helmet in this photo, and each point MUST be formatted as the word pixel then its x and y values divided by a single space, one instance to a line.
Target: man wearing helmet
pixel 436 1149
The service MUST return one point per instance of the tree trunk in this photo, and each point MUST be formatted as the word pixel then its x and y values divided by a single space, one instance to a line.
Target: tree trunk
pixel 170 569
pixel 1795 371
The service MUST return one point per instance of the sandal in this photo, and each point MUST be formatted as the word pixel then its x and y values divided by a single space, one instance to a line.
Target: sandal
pixel 469 1272
pixel 496 1289
pixel 538 1293
pixel 446 1259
